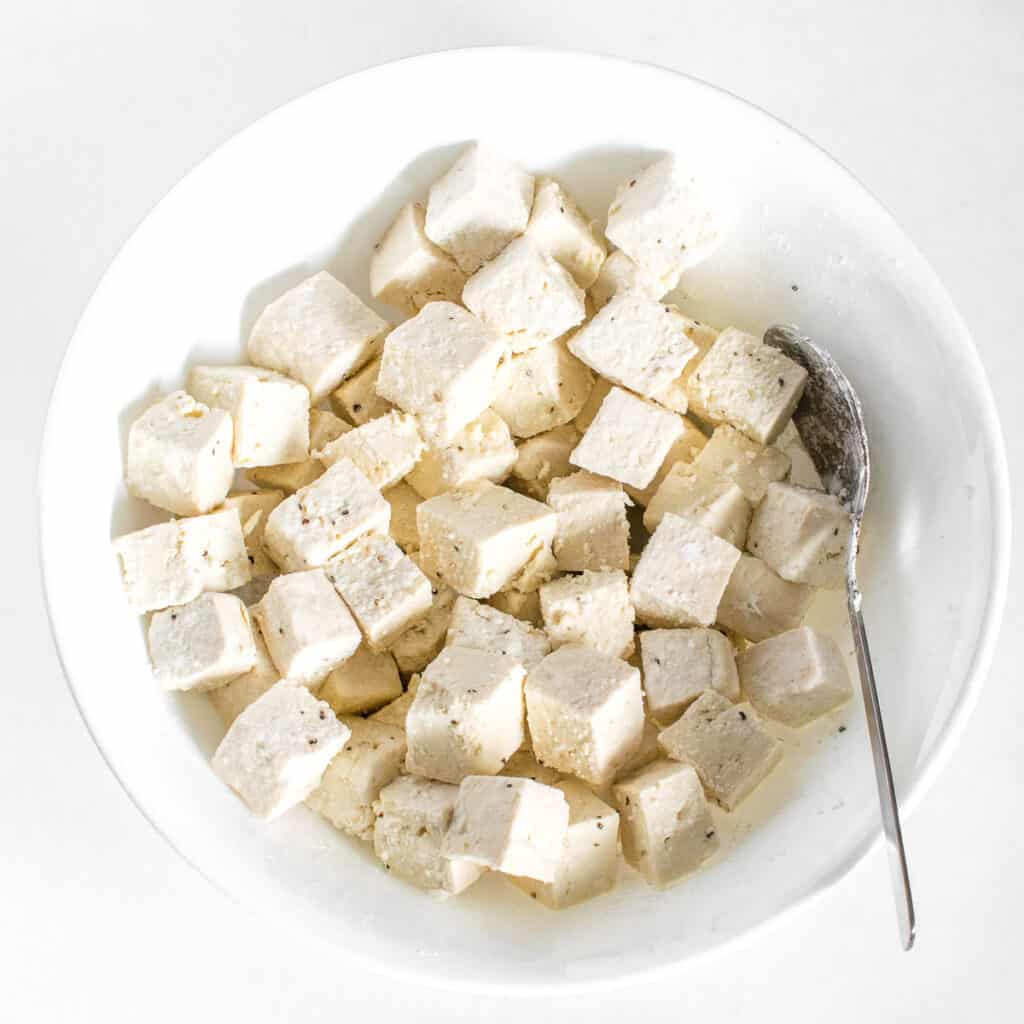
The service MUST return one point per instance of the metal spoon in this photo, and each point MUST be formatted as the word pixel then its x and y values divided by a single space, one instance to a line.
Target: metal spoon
pixel 831 423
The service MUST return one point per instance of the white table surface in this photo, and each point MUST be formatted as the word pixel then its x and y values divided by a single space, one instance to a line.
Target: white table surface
pixel 103 106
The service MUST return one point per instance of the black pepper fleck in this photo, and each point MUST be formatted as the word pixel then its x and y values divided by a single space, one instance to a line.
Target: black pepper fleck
pixel 743 715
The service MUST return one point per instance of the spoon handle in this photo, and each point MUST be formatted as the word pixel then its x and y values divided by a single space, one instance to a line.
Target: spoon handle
pixel 883 774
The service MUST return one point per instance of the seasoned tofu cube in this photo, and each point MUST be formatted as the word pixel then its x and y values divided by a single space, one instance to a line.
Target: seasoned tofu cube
pixel 680 664
pixel 324 427
pixel 751 466
pixel 404 501
pixel 748 384
pixel 478 539
pixel 541 389
pixel 230 700
pixel 201 645
pixel 585 712
pixel 543 458
pixel 356 398
pixel 179 455
pixel 803 535
pixel 383 450
pixel 682 574
pixel 593 532
pixel 315 523
pixel 685 449
pixel 592 609
pixel 795 677
pixel 560 228
pixel 758 603
pixel 307 627
pixel 667 829
pixel 467 716
pixel 318 333
pixel 484 628
pixel 396 712
pixel 714 501
pixel 523 765
pixel 407 270
pixel 726 744
pixel 365 682
pixel 253 508
pixel 523 606
pixel 421 643
pixel 384 588
pixel 478 206
pixel 620 275
pixel 628 439
pixel 802 471
pixel 371 759
pixel 512 825
pixel 413 816
pixel 483 450
pixel 277 749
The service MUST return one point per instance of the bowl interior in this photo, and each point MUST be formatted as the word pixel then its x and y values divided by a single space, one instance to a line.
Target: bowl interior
pixel 313 186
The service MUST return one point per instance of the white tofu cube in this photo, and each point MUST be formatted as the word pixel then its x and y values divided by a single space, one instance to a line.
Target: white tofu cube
pixel 363 683
pixel 543 458
pixel 795 677
pixel 404 501
pixel 714 501
pixel 478 206
pixel 685 449
pixel 422 642
pixel 560 228
pixel 356 398
pixel 383 450
pixel 254 507
pixel 592 609
pixel 324 427
pixel 758 603
pixel 484 628
pixel 318 333
pixel 396 712
pixel 619 275
pixel 522 606
pixel 751 466
pixel 230 700
pixel 277 749
pixel 585 712
pixel 802 471
pixel 593 532
pixel 682 574
pixel 179 455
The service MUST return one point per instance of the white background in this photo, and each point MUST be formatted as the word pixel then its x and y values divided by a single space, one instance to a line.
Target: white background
pixel 103 106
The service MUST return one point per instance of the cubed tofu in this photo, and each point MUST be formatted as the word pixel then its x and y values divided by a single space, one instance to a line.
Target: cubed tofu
pixel 523 606
pixel 726 744
pixel 680 664
pixel 230 700
pixel 593 532
pixel 749 465
pixel 802 471
pixel 363 683
pixel 543 458
pixel 478 539
pixel 254 507
pixel 666 824
pixel 560 228
pixel 750 385
pixel 803 535
pixel 179 455
pixel 585 712
pixel 685 449
pixel 318 333
pixel 619 275
pixel 758 603
pixel 421 643
pixel 384 450
pixel 407 270
pixel 478 206
pixel 467 716
pixel 396 712
pixel 714 501
pixel 795 677
pixel 592 609
pixel 356 398
pixel 404 501
pixel 307 627
pixel 484 628
pixel 324 427
pixel 277 749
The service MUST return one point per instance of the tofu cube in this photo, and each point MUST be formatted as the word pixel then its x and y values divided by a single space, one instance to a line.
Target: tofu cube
pixel 307 627
pixel 478 206
pixel 324 427
pixel 422 642
pixel 592 609
pixel 667 829
pixel 407 270
pixel 363 683
pixel 714 501
pixel 543 458
pixel 230 700
pixel 467 716
pixel 619 275
pixel 404 501
pixel 356 398
pixel 682 574
pixel 396 712
pixel 277 749
pixel 751 466
pixel 318 333
pixel 803 535
pixel 383 450
pixel 585 712
pixel 561 229
pixel 593 532
pixel 758 603
pixel 522 606
pixel 484 628
pixel 254 507
pixel 685 449
pixel 179 456
pixel 795 677
pixel 802 471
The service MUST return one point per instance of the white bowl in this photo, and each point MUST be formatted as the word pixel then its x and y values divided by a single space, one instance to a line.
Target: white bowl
pixel 313 185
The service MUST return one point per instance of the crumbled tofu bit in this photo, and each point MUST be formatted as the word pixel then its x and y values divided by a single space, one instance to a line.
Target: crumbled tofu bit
pixel 598 393
pixel 716 502
pixel 680 664
pixel 467 716
pixel 230 700
pixel 179 455
pixel 478 539
pixel 685 449
pixel 541 389
pixel 620 275
pixel 253 509
pixel 795 677
pixel 483 450
pixel 371 759
pixel 751 466
pixel 802 471
pixel 560 228
pixel 307 627
pixel 277 749
pixel 523 765
pixel 201 645
pixel 512 825
pixel 750 385
pixel 363 683
pixel 324 427
pixel 422 642
pixel 647 752
pixel 440 365
pixel 318 333
pixel 667 828
pixel 404 501
pixel 384 588
pixel 407 270
pixel 478 206
pixel 523 606
pixel 543 458
pixel 628 439
pixel 726 744
pixel 585 712
pixel 662 220
pixel 484 628
pixel 317 522
pixel 356 398
pixel 758 603
pixel 593 532
pixel 525 295
pixel 682 574
pixel 383 450
pixel 269 412
pixel 592 609
pixel 395 713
